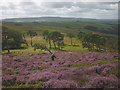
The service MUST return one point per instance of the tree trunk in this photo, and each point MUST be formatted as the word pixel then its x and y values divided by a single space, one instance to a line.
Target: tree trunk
pixel 26 43
pixel 25 39
pixel 24 36
pixel 31 41
pixel 59 45
pixel 54 44
pixel 50 44
pixel 8 46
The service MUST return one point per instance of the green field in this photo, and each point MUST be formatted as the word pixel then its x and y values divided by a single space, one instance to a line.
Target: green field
pixel 39 39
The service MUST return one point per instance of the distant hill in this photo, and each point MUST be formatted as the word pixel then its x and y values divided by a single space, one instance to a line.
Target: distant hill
pixel 64 24
pixel 55 19
pixel 68 26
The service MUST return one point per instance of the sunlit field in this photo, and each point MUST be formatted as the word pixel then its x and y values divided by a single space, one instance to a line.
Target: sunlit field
pixel 77 46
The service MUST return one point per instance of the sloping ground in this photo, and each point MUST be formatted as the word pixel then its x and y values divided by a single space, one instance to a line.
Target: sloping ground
pixel 110 28
pixel 68 70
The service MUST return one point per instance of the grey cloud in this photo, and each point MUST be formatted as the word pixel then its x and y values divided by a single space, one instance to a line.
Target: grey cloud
pixel 9 6
pixel 29 5
pixel 90 5
pixel 58 4
pixel 71 9
pixel 3 7
pixel 12 6
pixel 95 5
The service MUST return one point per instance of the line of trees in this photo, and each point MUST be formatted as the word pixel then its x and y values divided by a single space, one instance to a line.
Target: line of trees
pixel 95 42
pixel 12 39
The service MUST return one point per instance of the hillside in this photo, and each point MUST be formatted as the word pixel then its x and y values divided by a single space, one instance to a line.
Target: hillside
pixel 75 65
pixel 71 26
pixel 47 19
pixel 68 70
pixel 55 19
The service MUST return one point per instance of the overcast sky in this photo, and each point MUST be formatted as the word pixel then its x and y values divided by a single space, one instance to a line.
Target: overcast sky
pixel 97 9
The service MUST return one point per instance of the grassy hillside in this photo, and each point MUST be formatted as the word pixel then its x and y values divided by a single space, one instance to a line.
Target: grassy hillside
pixel 48 19
pixel 64 27
pixel 38 27
pixel 108 28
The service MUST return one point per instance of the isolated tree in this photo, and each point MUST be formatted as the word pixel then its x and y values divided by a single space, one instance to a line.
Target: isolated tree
pixel 11 38
pixel 92 41
pixel 24 38
pixel 70 35
pixel 86 41
pixel 31 34
pixel 5 36
pixel 56 37
pixel 60 41
pixel 81 35
pixel 47 36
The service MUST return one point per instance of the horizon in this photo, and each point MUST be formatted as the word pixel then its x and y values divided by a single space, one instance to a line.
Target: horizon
pixel 54 17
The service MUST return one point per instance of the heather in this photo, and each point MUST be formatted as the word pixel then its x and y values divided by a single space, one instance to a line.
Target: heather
pixel 68 70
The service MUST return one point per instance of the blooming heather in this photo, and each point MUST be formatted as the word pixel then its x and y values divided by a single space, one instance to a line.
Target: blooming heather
pixel 68 70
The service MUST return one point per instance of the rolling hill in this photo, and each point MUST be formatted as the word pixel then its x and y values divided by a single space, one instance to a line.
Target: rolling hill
pixel 64 25
pixel 55 19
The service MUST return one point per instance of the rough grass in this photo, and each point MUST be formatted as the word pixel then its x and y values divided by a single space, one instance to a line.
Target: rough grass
pixel 11 72
pixel 64 27
pixel 39 85
pixel 76 46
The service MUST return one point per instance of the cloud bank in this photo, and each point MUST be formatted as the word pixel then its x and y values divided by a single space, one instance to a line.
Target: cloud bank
pixel 96 10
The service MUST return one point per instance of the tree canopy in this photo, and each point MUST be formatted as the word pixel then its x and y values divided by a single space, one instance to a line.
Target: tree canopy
pixel 11 38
